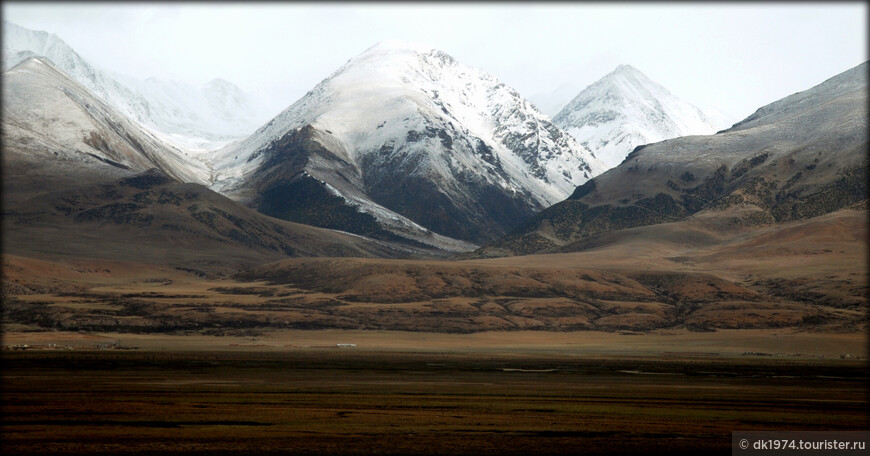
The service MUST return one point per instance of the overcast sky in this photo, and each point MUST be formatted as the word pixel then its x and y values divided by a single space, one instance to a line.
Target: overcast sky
pixel 732 56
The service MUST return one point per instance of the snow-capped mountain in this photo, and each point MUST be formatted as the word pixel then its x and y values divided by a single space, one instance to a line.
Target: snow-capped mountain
pixel 55 130
pixel 189 117
pixel 417 141
pixel 625 109
pixel 799 157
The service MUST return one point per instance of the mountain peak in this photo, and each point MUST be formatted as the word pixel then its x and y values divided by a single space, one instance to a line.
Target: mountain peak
pixel 94 136
pixel 399 45
pixel 180 113
pixel 37 64
pixel 628 74
pixel 626 109
pixel 400 54
pixel 11 27
pixel 219 82
pixel 807 150
pixel 391 59
pixel 626 69
pixel 221 85
pixel 413 138
pixel 34 61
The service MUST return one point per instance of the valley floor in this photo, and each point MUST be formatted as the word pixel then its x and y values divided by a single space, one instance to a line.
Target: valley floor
pixel 724 344
pixel 348 401
pixel 657 340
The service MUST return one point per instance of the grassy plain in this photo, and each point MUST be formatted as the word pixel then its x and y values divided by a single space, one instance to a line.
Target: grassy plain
pixel 349 401
pixel 657 340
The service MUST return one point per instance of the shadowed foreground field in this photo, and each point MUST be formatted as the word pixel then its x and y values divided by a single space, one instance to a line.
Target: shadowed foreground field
pixel 331 401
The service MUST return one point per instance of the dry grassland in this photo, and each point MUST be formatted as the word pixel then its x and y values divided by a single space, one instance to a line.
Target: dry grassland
pixel 326 401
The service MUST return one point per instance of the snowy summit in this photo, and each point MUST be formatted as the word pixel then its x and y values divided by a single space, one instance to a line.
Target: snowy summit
pixel 626 109
pixel 405 115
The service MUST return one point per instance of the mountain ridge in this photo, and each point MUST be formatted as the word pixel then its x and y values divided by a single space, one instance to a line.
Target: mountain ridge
pixel 187 116
pixel 799 160
pixel 56 130
pixel 150 217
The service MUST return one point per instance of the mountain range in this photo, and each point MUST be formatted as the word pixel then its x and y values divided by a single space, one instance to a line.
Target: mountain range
pixel 796 158
pixel 82 180
pixel 152 218
pixel 189 117
pixel 404 155
pixel 57 134
pixel 401 143
pixel 411 138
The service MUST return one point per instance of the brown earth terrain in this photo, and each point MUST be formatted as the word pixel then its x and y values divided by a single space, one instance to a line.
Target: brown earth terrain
pixel 700 275
pixel 707 285
pixel 652 340
pixel 328 401
pixel 152 219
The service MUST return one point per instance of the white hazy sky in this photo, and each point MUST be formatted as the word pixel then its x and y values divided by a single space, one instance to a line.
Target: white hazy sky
pixel 732 56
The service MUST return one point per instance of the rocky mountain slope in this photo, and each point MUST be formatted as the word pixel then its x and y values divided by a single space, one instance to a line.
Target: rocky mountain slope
pixel 56 134
pixel 800 157
pixel 81 180
pixel 152 218
pixel 415 142
pixel 187 116
pixel 626 109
